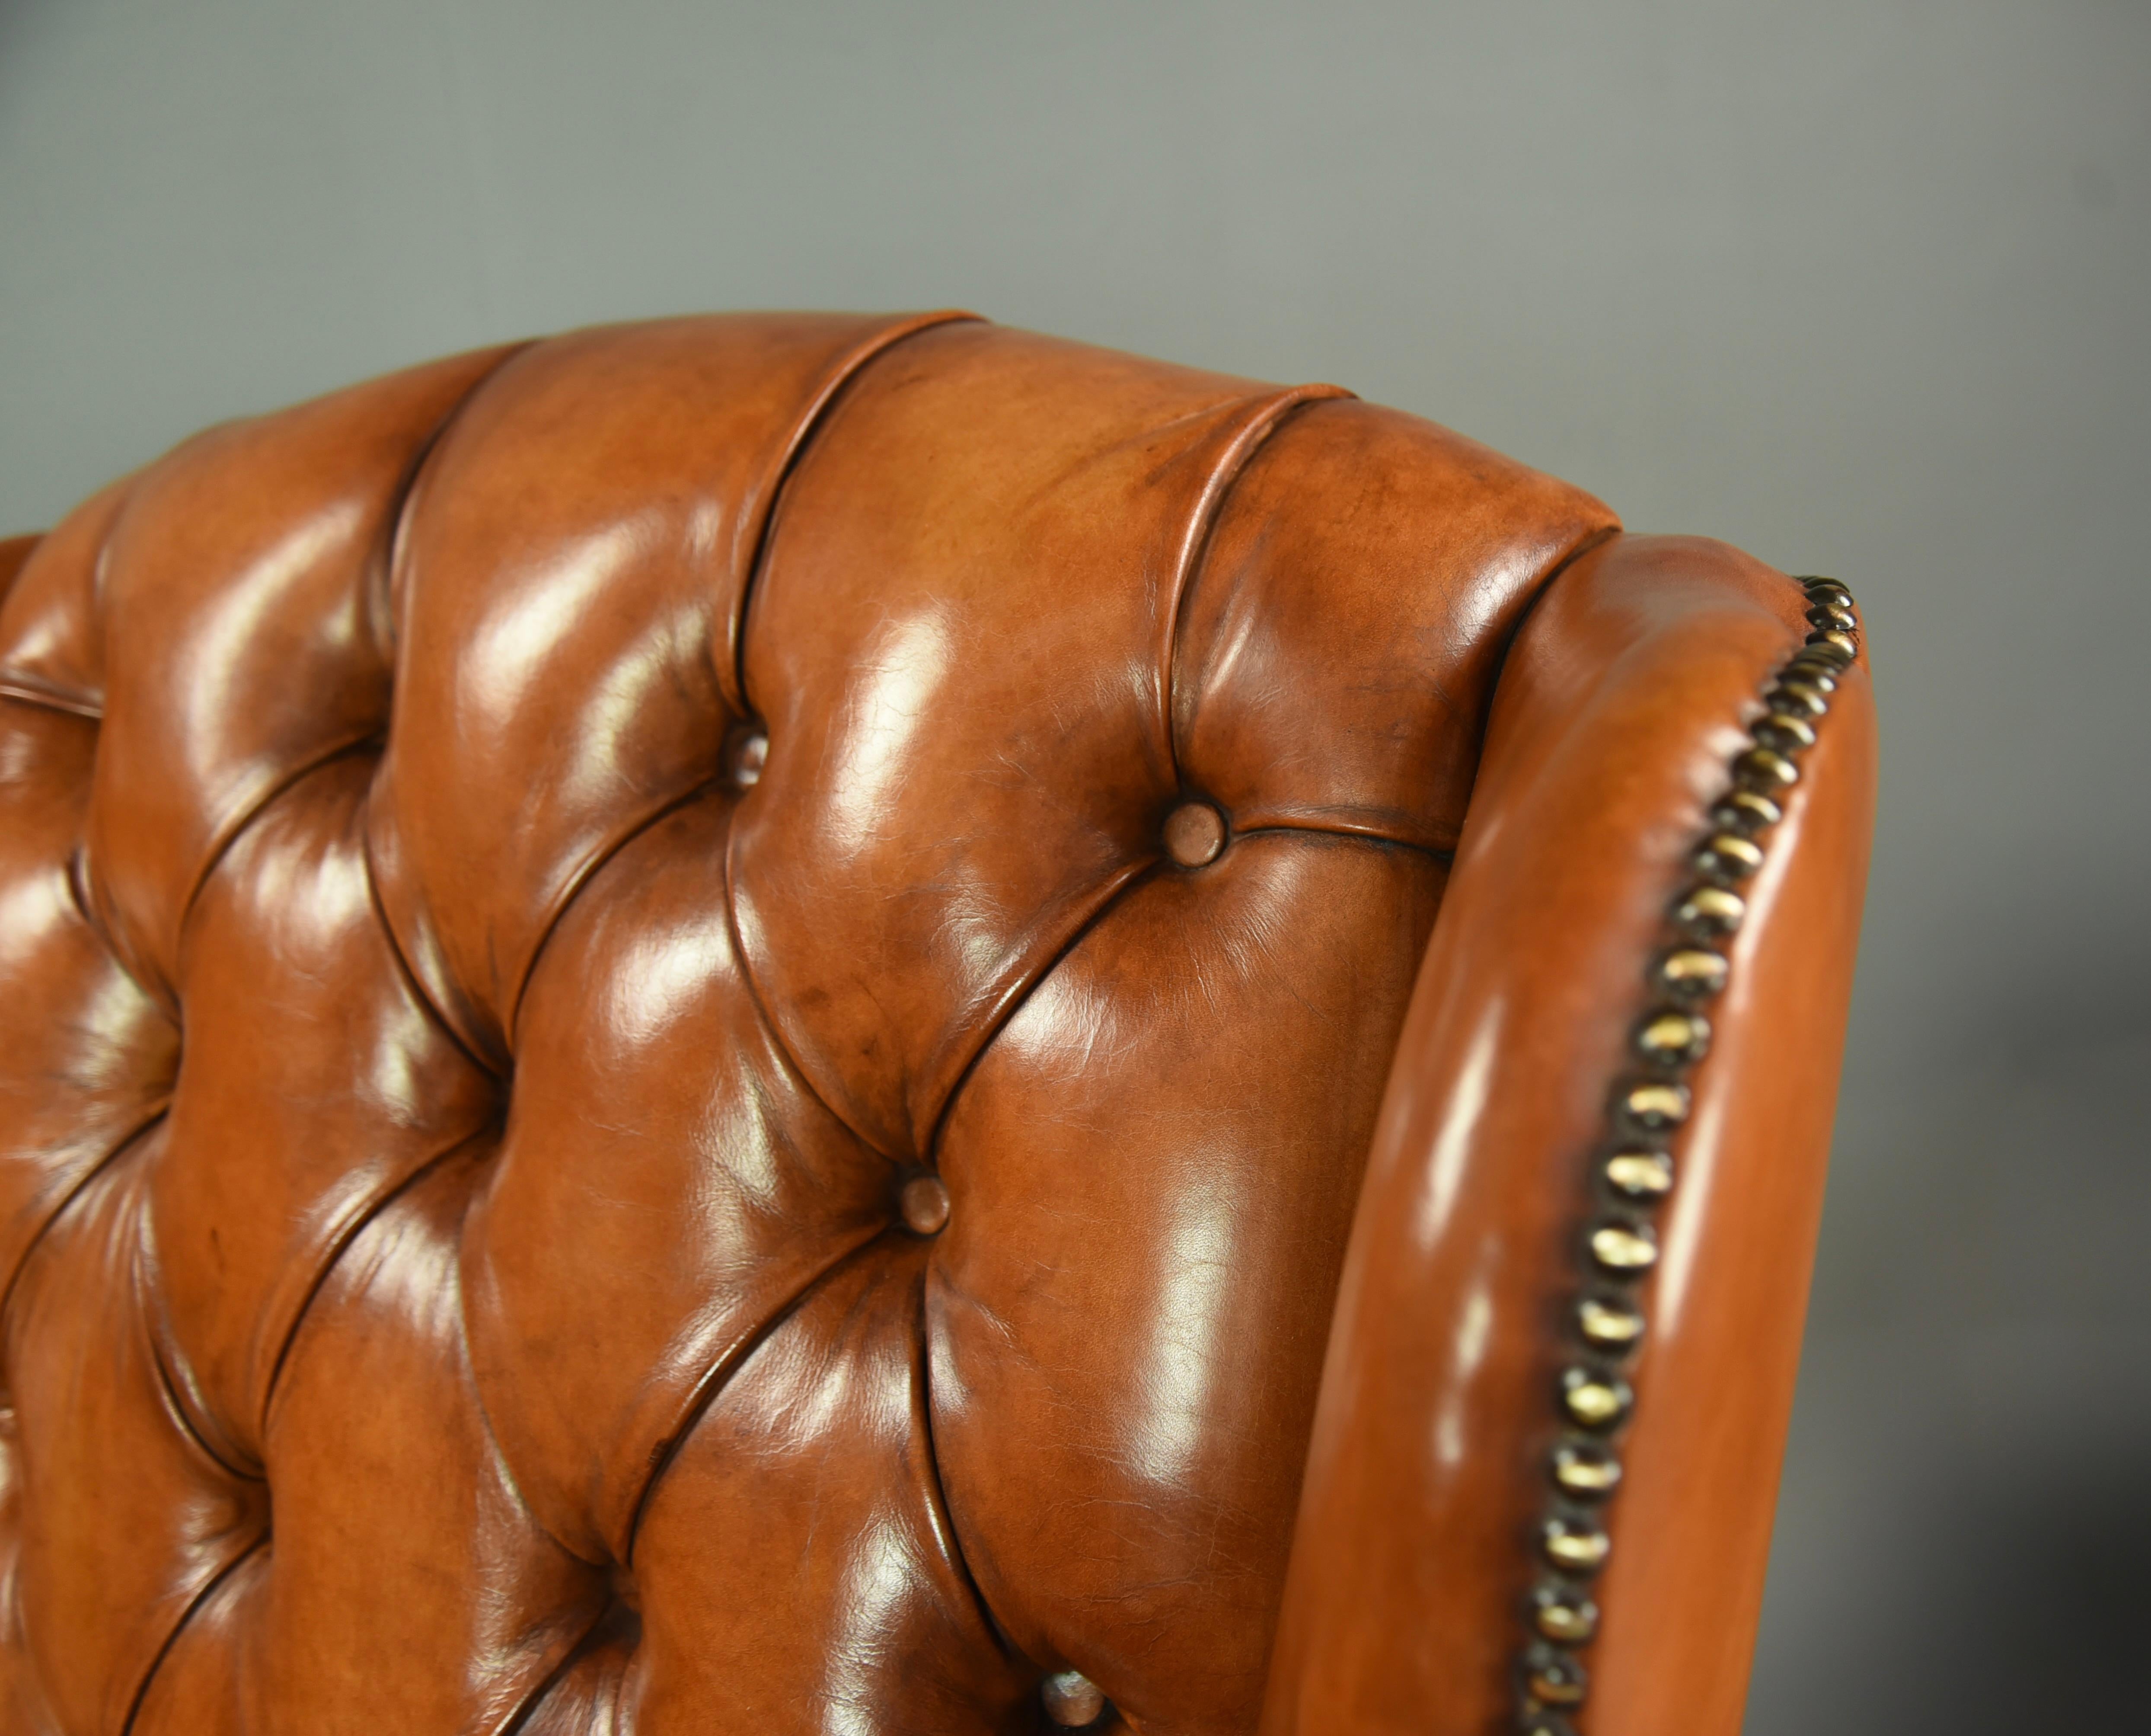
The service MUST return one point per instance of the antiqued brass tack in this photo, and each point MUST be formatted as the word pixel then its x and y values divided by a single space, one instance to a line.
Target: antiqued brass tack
pixel 1694 973
pixel 1072 1700
pixel 1819 673
pixel 1655 1105
pixel 1638 1174
pixel 1574 1545
pixel 1748 811
pixel 1783 732
pixel 1586 1470
pixel 1673 1039
pixel 1710 910
pixel 1563 1613
pixel 1553 1677
pixel 1765 769
pixel 1593 1400
pixel 1624 1249
pixel 1728 855
pixel 1796 695
pixel 1609 1324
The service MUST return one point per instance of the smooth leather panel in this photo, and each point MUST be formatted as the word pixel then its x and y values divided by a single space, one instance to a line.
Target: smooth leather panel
pixel 582 635
pixel 86 1059
pixel 1621 700
pixel 665 1171
pixel 277 1150
pixel 1382 562
pixel 1124 1152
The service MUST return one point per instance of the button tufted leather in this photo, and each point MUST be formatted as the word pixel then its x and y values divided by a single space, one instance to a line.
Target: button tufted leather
pixel 616 1114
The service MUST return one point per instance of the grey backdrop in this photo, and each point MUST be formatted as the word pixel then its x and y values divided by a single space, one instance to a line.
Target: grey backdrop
pixel 1860 284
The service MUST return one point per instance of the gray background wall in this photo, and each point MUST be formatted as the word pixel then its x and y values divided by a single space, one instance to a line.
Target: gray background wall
pixel 1860 284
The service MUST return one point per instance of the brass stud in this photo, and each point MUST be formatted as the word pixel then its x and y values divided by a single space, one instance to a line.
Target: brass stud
pixel 1729 856
pixel 1764 769
pixel 1673 1039
pixel 1748 811
pixel 1072 1700
pixel 1694 973
pixel 1553 1677
pixel 1595 1401
pixel 1796 695
pixel 1608 1323
pixel 1644 1176
pixel 1818 673
pixel 1783 732
pixel 1587 1469
pixel 1655 1105
pixel 1575 1546
pixel 1564 1614
pixel 1624 1249
pixel 1708 912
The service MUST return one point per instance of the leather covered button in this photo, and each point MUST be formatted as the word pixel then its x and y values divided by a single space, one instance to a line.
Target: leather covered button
pixel 1072 1700
pixel 1194 834
pixel 924 1205
pixel 746 752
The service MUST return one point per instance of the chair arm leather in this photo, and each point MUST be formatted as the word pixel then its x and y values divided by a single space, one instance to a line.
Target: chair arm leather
pixel 1624 695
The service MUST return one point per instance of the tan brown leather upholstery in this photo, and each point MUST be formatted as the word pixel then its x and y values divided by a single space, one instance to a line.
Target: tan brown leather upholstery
pixel 690 1021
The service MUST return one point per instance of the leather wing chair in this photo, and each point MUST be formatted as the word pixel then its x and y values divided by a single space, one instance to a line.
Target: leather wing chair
pixel 876 1026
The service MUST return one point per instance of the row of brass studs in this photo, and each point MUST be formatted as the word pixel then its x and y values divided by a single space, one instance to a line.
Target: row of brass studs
pixel 1634 1170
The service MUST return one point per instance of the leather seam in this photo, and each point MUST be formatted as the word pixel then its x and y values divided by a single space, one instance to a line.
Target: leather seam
pixel 937 1489
pixel 186 1616
pixel 140 1128
pixel 813 416
pixel 49 700
pixel 715 1379
pixel 1267 415
pixel 411 981
pixel 581 878
pixel 1019 992
pixel 334 1257
pixel 761 1005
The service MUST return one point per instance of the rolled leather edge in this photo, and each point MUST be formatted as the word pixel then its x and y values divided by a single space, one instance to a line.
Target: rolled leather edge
pixel 14 552
pixel 1624 695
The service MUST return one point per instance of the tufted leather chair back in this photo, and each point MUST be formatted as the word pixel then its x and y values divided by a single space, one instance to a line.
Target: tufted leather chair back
pixel 693 1019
